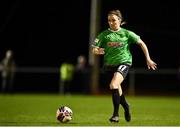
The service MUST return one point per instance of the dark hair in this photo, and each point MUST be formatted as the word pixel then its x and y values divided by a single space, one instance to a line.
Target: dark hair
pixel 118 14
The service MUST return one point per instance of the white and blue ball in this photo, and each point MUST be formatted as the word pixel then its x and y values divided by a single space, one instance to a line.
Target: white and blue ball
pixel 64 114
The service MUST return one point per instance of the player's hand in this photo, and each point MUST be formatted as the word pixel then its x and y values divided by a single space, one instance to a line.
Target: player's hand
pixel 101 51
pixel 151 64
pixel 98 51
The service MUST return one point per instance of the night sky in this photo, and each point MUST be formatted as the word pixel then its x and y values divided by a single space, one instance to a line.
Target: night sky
pixel 46 33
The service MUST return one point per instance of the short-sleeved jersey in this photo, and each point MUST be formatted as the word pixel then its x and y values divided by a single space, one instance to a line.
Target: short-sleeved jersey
pixel 116 45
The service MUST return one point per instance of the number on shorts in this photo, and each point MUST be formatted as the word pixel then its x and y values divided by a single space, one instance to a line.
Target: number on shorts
pixel 122 68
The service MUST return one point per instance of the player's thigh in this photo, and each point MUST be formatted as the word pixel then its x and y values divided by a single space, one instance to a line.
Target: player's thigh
pixel 116 80
pixel 119 75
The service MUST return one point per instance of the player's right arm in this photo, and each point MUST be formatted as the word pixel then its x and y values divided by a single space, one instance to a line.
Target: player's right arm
pixel 97 44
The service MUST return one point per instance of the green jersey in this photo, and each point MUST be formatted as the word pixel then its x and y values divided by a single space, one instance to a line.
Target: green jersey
pixel 116 45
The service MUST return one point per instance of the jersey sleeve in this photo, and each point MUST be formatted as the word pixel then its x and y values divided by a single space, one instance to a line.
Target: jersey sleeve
pixel 98 41
pixel 133 38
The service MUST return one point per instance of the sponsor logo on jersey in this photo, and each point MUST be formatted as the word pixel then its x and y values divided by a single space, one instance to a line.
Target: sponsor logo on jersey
pixel 114 44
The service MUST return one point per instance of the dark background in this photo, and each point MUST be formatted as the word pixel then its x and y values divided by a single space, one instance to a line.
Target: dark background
pixel 46 33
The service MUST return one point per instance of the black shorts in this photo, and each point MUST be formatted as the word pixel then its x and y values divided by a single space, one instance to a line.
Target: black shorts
pixel 123 69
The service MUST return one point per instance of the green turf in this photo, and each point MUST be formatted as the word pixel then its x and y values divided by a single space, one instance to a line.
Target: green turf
pixel 40 110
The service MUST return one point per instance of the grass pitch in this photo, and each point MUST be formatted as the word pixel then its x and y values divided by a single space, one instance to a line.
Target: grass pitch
pixel 40 110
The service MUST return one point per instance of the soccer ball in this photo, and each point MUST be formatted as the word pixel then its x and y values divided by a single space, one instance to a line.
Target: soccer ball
pixel 64 114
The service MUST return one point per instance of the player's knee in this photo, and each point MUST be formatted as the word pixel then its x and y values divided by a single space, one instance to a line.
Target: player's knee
pixel 113 86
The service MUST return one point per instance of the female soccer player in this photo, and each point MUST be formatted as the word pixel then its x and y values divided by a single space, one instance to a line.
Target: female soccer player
pixel 114 44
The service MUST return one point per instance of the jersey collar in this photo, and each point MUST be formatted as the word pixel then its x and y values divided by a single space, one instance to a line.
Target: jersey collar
pixel 114 30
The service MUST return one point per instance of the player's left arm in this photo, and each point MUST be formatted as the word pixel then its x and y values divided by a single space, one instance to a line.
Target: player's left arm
pixel 150 63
